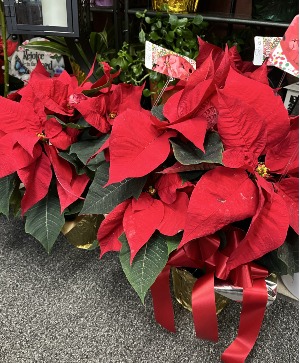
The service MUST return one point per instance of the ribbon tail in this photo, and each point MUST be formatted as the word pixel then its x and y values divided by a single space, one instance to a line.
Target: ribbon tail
pixel 204 308
pixel 162 300
pixel 254 304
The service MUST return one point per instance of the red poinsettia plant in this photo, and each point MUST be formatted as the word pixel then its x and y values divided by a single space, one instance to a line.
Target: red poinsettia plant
pixel 49 130
pixel 207 180
pixel 222 152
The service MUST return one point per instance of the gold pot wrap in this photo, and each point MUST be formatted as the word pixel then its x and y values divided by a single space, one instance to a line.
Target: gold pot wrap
pixel 82 231
pixel 183 282
pixel 175 6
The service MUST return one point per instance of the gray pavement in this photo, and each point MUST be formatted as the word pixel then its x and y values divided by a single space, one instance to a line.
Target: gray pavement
pixel 71 307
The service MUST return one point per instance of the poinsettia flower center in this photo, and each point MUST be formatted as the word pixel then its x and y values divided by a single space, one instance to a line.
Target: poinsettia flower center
pixel 151 190
pixel 262 170
pixel 41 136
pixel 112 115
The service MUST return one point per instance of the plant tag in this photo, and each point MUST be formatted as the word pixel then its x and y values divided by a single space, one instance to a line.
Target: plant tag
pixel 167 62
pixel 263 48
pixel 286 55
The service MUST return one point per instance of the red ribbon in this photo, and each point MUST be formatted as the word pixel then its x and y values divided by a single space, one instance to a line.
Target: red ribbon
pixel 254 304
pixel 202 253
pixel 204 308
pixel 162 300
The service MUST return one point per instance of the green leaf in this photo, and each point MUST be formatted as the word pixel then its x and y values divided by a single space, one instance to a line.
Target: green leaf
pixel 100 200
pixel 192 175
pixel 85 149
pixel 173 21
pixel 157 111
pixel 76 126
pixel 187 153
pixel 140 14
pixel 288 253
pixel 99 41
pixel 170 36
pixel 147 264
pixel 74 208
pixel 198 19
pixel 182 22
pixel 72 159
pixel 284 260
pixel 7 186
pixel 154 36
pixel 44 221
pixel 57 39
pixel 142 37
pixel 147 93
pixel 173 242
pixel 51 47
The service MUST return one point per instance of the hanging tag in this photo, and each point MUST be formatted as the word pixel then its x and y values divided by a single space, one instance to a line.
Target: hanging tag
pixel 169 79
pixel 286 55
pixel 167 62
pixel 263 48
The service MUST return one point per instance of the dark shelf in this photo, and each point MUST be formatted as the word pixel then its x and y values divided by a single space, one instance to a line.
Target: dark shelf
pixel 222 18
pixel 101 9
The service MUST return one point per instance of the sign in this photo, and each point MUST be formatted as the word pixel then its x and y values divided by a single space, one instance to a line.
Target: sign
pixel 24 60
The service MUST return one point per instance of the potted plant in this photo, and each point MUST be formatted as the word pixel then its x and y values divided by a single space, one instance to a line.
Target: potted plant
pixel 207 181
pixel 173 33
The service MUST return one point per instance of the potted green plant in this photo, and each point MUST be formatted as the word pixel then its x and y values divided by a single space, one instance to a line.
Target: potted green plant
pixel 173 33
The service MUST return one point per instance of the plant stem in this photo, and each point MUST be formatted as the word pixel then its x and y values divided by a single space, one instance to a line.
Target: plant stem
pixel 6 63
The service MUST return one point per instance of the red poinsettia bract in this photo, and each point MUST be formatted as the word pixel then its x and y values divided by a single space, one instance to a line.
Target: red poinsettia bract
pixel 28 146
pixel 139 219
pixel 252 123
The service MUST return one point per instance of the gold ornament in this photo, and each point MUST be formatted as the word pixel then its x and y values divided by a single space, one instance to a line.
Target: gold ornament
pixel 175 6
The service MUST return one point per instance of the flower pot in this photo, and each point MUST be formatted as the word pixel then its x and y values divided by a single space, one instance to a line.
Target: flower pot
pixel 183 282
pixel 82 231
pixel 292 284
pixel 175 6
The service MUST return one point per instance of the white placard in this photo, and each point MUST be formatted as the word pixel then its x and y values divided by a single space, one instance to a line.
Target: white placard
pixel 55 12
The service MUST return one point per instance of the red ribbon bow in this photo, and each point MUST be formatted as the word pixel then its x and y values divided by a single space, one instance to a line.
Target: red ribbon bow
pixel 205 253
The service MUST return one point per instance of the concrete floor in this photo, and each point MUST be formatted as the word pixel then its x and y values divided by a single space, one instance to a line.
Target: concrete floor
pixel 71 307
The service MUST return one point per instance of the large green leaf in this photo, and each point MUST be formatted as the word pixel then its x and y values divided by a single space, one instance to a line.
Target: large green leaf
pixel 99 42
pixel 284 260
pixel 44 221
pixel 86 148
pixel 51 47
pixel 72 159
pixel 173 242
pixel 288 253
pixel 147 264
pixel 187 153
pixel 7 185
pixel 100 200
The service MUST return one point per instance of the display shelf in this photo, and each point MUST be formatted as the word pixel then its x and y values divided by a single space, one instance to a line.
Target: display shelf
pixel 101 9
pixel 219 17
